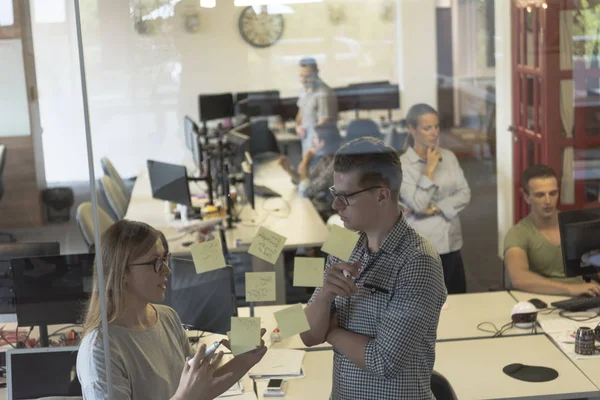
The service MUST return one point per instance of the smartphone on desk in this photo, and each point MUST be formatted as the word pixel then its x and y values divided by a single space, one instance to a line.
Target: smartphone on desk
pixel 275 388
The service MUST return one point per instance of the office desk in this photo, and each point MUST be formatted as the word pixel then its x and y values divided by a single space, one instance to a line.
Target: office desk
pixel 292 216
pixel 474 369
pixel 463 312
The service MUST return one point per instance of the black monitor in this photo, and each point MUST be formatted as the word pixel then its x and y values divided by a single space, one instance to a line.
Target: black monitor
pixel 347 98
pixel 42 372
pixel 257 104
pixel 169 182
pixel 205 301
pixel 215 106
pixel 248 168
pixel 8 251
pixel 579 234
pixel 263 143
pixel 239 144
pixel 52 290
pixel 288 109
pixel 192 132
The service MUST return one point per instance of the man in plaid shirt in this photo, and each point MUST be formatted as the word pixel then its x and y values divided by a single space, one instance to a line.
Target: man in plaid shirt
pixel 381 309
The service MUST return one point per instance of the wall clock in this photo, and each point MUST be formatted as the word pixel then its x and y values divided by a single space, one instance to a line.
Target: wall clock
pixel 260 29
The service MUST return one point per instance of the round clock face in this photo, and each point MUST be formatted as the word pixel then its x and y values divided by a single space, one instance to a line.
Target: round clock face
pixel 260 30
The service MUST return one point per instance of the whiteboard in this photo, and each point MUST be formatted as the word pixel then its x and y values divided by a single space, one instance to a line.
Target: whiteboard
pixel 14 111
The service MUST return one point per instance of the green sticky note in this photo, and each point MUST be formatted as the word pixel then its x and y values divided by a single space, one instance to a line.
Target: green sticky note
pixel 267 245
pixel 291 321
pixel 237 350
pixel 260 286
pixel 308 271
pixel 245 332
pixel 208 256
pixel 340 243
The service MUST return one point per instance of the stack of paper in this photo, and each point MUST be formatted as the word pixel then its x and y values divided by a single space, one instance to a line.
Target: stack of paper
pixel 279 363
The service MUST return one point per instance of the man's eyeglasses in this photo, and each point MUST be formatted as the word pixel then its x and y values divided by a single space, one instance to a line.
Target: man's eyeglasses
pixel 159 264
pixel 344 197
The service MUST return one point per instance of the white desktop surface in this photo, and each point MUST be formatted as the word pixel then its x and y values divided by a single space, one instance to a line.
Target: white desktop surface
pixel 463 312
pixel 474 369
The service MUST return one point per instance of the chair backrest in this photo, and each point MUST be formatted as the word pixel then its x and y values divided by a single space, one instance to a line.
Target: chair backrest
pixel 441 388
pixel 361 128
pixel 115 197
pixel 110 170
pixel 85 220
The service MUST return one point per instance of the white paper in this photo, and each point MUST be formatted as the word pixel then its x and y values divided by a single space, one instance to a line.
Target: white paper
pixel 567 344
pixel 558 324
pixel 243 396
pixel 279 362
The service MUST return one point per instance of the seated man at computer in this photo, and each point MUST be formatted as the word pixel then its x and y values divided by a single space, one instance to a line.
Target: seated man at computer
pixel 314 182
pixel 317 105
pixel 532 248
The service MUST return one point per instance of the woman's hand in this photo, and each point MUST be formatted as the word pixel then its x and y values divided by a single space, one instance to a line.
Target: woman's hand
pixel 432 210
pixel 433 159
pixel 197 381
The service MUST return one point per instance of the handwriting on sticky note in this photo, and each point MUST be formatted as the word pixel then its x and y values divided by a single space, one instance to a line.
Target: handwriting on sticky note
pixel 267 245
pixel 245 332
pixel 340 243
pixel 291 321
pixel 208 256
pixel 308 271
pixel 237 350
pixel 260 286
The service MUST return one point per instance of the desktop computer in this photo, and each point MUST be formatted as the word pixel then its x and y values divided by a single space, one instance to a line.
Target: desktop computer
pixel 8 251
pixel 216 106
pixel 52 290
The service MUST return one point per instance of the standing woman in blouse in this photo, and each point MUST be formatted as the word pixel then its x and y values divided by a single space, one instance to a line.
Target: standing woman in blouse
pixel 435 190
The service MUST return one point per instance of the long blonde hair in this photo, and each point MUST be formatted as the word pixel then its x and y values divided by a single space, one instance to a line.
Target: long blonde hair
pixel 124 242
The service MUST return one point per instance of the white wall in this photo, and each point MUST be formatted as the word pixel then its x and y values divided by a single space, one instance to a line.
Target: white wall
pixel 14 110
pixel 141 86
pixel 504 143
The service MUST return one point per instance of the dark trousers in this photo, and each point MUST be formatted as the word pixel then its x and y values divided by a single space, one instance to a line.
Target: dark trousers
pixel 454 272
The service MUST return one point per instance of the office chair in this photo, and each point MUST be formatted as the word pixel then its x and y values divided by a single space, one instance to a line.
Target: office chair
pixel 85 221
pixel 360 128
pixel 114 196
pixel 10 237
pixel 111 171
pixel 441 388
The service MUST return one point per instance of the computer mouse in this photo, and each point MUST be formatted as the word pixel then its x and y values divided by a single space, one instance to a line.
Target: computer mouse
pixel 539 304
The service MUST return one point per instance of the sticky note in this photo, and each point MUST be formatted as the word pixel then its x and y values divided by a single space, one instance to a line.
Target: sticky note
pixel 340 243
pixel 291 321
pixel 245 332
pixel 267 245
pixel 237 350
pixel 260 286
pixel 308 271
pixel 208 256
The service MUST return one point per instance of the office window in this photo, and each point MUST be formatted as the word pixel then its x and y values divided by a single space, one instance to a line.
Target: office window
pixel 7 14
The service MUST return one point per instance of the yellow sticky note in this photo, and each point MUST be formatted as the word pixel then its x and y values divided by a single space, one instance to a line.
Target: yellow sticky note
pixel 308 271
pixel 245 332
pixel 237 350
pixel 260 286
pixel 340 243
pixel 267 245
pixel 208 256
pixel 291 321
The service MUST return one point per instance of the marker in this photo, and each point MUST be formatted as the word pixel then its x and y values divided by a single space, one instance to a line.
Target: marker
pixel 209 352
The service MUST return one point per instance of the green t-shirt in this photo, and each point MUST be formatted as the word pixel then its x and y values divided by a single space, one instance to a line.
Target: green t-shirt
pixel 544 257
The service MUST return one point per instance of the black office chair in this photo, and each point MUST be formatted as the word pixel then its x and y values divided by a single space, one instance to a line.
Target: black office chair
pixel 360 128
pixel 441 388
pixel 8 236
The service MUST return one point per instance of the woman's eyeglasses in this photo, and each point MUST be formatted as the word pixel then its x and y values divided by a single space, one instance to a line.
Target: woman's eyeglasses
pixel 159 264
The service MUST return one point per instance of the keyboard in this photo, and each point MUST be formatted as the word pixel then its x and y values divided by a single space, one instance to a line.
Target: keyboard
pixel 264 191
pixel 579 303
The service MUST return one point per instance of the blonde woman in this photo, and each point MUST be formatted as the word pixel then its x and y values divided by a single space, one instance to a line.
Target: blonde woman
pixel 148 347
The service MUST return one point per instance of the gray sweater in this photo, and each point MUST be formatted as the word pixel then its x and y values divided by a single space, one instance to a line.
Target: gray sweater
pixel 146 364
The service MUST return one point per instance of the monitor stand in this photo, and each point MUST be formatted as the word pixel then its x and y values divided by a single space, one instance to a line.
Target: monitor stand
pixel 44 338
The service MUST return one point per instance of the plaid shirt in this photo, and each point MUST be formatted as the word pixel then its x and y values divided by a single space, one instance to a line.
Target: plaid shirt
pixel 401 292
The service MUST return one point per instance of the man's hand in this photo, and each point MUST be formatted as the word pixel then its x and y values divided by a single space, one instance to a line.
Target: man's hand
pixel 584 289
pixel 337 284
pixel 300 131
pixel 284 163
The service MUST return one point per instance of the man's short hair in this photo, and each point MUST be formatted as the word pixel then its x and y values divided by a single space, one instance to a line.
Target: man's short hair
pixel 377 163
pixel 309 62
pixel 536 171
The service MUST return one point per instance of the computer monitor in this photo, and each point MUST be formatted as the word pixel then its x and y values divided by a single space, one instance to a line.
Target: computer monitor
pixel 52 290
pixel 215 106
pixel 579 234
pixel 8 251
pixel 288 109
pixel 169 182
pixel 192 132
pixel 205 301
pixel 239 144
pixel 257 104
pixel 263 143
pixel 248 168
pixel 42 372
pixel 347 98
